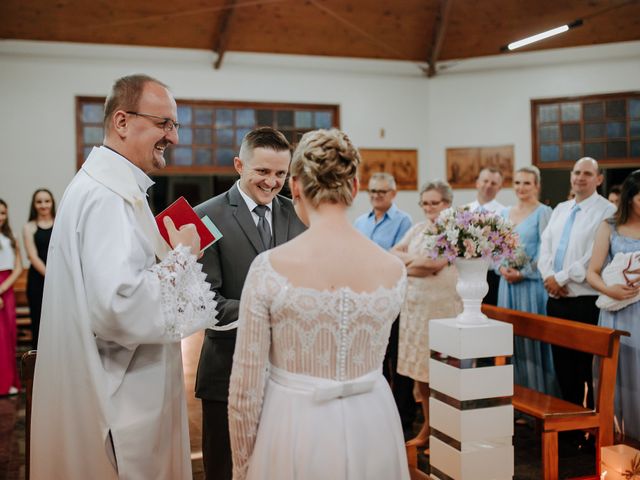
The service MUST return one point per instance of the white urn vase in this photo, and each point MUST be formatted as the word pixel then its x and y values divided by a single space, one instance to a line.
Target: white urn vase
pixel 472 287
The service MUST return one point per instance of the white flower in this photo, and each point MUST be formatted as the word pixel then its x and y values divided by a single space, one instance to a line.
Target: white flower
pixel 452 236
pixel 460 232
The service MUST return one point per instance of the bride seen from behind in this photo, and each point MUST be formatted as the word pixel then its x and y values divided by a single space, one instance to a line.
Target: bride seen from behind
pixel 307 397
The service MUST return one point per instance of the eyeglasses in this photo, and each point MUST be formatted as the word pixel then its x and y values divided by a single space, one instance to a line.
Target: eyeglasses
pixel 165 123
pixel 430 204
pixel 379 192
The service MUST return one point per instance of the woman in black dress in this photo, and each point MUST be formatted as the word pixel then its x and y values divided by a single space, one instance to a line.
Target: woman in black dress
pixel 37 233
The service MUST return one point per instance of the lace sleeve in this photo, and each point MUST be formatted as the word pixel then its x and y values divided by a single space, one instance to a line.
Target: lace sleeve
pixel 186 299
pixel 250 363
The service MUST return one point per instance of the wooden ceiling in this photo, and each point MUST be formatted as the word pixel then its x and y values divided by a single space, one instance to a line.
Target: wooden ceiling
pixel 422 31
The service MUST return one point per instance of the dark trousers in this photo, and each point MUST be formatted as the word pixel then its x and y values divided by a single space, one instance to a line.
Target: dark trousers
pixel 401 386
pixel 574 368
pixel 491 298
pixel 216 445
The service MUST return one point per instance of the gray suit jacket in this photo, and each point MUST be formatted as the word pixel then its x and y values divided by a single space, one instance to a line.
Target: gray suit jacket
pixel 226 264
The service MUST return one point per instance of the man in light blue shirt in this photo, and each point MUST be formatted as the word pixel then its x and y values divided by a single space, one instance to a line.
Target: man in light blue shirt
pixel 386 224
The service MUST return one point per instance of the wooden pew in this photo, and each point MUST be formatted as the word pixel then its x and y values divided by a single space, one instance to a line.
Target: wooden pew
pixel 554 414
pixel 28 366
pixel 23 319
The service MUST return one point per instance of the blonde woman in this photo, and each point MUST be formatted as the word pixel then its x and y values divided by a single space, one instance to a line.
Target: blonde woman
pixel 521 286
pixel 318 311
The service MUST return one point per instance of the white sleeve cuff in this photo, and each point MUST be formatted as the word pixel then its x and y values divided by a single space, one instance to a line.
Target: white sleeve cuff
pixel 187 300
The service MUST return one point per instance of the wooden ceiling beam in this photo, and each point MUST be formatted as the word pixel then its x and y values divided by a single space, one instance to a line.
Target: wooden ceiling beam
pixel 439 30
pixel 224 32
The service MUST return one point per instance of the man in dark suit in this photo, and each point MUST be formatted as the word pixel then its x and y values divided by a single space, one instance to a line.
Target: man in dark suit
pixel 252 218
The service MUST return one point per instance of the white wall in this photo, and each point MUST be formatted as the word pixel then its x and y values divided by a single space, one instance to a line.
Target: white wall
pixel 486 102
pixel 472 103
pixel 38 83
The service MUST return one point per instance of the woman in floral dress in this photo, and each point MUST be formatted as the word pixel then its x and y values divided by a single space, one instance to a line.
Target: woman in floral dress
pixel 431 293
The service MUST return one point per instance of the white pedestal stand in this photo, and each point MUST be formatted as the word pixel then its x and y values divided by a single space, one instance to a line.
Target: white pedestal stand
pixel 470 411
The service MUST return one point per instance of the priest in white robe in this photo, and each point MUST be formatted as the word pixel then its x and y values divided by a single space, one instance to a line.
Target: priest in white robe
pixel 108 396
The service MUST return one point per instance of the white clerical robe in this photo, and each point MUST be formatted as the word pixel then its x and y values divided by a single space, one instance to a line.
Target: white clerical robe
pixel 108 396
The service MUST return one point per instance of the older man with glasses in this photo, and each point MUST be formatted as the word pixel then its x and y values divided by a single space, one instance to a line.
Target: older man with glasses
pixel 108 393
pixel 386 224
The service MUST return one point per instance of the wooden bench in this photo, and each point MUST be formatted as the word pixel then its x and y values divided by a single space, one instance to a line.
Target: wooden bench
pixel 28 366
pixel 23 318
pixel 554 414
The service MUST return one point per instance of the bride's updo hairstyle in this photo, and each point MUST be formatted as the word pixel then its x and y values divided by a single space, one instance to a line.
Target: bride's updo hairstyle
pixel 326 163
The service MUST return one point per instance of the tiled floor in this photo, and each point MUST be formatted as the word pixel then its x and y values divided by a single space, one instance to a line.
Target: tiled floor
pixel 527 443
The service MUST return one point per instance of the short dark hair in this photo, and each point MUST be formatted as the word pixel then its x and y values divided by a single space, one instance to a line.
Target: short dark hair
pixel 33 213
pixel 491 170
pixel 630 188
pixel 263 137
pixel 617 189
pixel 125 95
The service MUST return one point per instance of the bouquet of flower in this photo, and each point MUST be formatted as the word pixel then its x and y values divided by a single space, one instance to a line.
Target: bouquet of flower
pixel 519 260
pixel 459 232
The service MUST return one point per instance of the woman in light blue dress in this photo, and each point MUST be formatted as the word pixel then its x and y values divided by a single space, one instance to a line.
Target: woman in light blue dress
pixel 521 286
pixel 622 235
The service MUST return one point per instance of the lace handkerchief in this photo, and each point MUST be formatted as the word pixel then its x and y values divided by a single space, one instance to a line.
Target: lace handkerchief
pixel 623 269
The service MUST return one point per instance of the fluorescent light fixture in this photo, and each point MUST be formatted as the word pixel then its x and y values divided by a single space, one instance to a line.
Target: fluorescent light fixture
pixel 541 36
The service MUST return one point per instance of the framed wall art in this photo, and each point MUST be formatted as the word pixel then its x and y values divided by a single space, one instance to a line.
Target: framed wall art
pixel 464 164
pixel 402 164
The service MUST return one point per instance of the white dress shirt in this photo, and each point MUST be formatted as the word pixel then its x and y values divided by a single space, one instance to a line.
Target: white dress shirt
pixel 492 206
pixel 7 255
pixel 593 211
pixel 251 204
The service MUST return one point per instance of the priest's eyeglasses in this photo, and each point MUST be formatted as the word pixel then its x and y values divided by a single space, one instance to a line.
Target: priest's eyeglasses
pixel 165 123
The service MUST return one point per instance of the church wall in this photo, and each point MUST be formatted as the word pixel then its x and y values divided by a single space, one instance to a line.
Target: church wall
pixel 480 102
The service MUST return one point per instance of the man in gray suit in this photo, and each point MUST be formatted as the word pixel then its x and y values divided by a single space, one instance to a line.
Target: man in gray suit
pixel 252 218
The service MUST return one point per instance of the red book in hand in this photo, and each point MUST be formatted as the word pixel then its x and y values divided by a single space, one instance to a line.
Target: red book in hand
pixel 181 213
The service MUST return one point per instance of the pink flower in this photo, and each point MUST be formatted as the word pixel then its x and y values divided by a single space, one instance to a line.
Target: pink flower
pixel 469 247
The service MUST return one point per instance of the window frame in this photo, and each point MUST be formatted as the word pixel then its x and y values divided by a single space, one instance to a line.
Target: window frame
pixel 215 104
pixel 583 100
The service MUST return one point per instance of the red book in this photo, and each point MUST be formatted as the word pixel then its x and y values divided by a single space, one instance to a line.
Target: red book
pixel 181 213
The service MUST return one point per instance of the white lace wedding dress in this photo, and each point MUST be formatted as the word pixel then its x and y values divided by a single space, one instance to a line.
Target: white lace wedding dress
pixel 307 399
